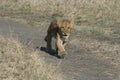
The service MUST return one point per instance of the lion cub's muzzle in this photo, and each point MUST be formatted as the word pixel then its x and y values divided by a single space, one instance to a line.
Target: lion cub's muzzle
pixel 64 38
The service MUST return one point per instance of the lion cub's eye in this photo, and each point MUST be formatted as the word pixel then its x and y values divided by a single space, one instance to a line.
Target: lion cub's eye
pixel 62 27
pixel 68 27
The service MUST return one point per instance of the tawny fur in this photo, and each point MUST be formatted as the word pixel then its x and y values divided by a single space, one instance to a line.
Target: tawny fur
pixel 59 29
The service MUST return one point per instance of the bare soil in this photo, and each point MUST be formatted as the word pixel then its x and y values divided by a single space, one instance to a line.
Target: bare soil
pixel 79 64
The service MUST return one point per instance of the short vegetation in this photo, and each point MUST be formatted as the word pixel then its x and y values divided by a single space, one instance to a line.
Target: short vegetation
pixel 17 62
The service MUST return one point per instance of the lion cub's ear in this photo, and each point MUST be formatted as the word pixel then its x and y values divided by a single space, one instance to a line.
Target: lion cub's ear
pixel 59 22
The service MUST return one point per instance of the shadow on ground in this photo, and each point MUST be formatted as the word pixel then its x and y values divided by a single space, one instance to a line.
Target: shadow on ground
pixel 52 53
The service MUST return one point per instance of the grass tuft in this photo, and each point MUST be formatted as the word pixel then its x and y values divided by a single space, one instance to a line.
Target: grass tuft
pixel 116 32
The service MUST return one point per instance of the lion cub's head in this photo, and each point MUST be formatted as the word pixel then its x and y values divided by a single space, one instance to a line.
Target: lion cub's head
pixel 64 26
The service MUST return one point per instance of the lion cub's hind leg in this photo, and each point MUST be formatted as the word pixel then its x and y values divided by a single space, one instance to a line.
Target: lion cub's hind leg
pixel 48 39
pixel 45 38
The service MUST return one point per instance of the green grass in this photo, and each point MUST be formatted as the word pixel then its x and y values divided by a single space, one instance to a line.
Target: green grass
pixel 78 19
pixel 97 32
pixel 116 32
pixel 56 15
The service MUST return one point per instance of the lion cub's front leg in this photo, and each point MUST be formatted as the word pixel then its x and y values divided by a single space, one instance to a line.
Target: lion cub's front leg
pixel 60 47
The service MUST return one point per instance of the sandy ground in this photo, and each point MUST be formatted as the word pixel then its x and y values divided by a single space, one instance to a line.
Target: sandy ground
pixel 79 64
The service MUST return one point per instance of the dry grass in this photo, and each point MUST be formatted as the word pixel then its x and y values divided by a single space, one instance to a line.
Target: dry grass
pixel 19 63
pixel 102 14
pixel 105 10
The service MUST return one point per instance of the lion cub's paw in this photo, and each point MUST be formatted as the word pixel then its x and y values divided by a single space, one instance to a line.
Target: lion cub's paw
pixel 61 55
pixel 48 50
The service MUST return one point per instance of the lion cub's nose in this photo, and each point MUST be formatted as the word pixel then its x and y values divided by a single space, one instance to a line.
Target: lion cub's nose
pixel 65 35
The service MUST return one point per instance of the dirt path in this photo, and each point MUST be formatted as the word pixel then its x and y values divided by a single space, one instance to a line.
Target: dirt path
pixel 79 64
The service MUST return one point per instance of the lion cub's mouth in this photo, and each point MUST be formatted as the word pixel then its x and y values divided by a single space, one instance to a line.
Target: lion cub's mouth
pixel 64 38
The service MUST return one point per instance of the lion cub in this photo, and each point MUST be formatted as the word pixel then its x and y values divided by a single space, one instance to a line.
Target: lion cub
pixel 59 29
